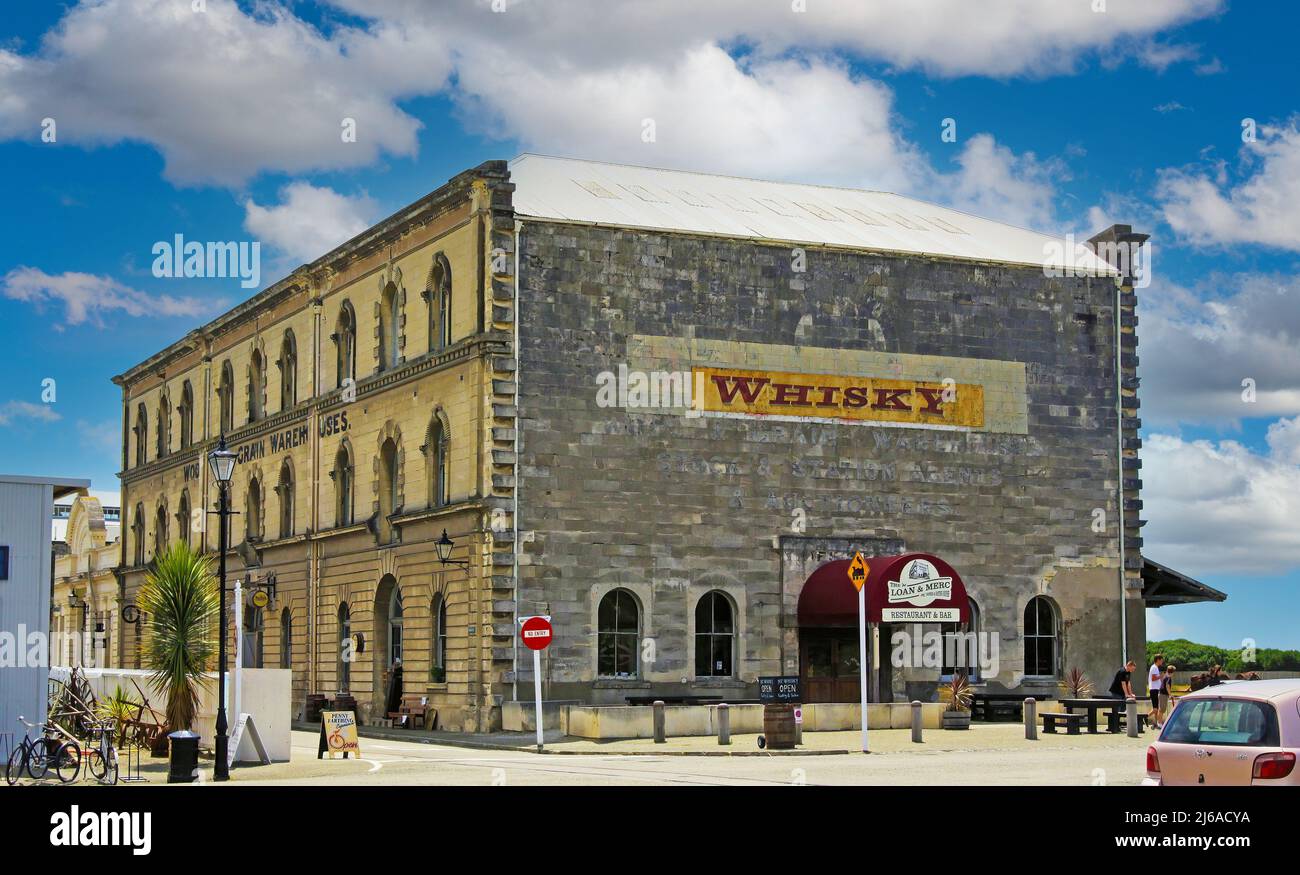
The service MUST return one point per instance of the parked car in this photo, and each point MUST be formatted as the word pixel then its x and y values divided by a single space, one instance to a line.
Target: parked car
pixel 1237 733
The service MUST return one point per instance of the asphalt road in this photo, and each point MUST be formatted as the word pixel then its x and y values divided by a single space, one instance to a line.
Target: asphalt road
pixel 1088 761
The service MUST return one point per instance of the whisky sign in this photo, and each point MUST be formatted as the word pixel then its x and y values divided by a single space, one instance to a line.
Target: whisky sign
pixel 943 403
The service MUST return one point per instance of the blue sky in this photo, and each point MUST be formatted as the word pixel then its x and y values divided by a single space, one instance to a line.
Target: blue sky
pixel 1067 119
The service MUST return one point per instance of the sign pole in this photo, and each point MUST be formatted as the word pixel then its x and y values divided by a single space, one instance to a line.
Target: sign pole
pixel 239 643
pixel 537 694
pixel 536 633
pixel 862 660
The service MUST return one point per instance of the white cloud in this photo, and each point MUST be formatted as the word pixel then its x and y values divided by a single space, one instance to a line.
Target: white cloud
pixel 1284 440
pixel 766 118
pixel 995 183
pixel 1199 345
pixel 309 220
pixel 1159 628
pixel 565 75
pixel 1220 507
pixel 86 297
pixel 14 410
pixel 223 94
pixel 1203 206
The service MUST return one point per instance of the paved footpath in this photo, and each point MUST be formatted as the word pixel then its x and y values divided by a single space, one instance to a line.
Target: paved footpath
pixel 985 754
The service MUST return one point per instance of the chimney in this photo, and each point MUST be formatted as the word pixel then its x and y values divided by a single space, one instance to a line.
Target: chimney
pixel 1119 246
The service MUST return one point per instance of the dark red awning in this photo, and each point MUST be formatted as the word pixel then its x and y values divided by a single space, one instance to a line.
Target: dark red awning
pixel 828 598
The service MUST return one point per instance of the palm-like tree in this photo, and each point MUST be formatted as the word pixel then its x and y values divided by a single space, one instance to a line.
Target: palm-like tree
pixel 180 597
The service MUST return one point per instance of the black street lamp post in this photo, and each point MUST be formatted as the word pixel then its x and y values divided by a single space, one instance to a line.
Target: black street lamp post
pixel 222 462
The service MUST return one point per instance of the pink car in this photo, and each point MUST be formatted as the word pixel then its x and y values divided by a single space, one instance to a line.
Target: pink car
pixel 1237 733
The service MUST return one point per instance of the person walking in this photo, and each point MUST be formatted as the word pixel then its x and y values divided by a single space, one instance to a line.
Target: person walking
pixel 1155 680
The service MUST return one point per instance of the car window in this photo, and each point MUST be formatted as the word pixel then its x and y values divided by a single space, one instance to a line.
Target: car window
pixel 1222 721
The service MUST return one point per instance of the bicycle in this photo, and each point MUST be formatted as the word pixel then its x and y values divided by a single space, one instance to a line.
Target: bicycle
pixel 36 757
pixel 101 759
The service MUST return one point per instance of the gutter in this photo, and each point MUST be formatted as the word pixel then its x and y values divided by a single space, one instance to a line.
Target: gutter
pixel 514 516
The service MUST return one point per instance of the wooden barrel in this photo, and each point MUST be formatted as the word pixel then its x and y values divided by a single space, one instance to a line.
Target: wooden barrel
pixel 778 725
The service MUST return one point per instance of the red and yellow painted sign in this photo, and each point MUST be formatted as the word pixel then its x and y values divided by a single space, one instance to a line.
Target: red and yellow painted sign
pixel 868 399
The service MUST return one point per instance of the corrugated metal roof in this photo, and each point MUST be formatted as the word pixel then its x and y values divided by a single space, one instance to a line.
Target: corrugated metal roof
pixel 621 195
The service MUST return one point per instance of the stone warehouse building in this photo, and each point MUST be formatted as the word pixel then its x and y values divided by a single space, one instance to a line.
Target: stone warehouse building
pixel 663 408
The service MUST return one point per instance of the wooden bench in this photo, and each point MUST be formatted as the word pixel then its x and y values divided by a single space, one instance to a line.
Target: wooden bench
pixel 1072 722
pixel 673 700
pixel 990 706
pixel 1118 720
pixel 411 714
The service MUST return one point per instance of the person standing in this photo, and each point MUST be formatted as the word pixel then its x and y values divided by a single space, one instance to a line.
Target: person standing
pixel 1122 686
pixel 1155 680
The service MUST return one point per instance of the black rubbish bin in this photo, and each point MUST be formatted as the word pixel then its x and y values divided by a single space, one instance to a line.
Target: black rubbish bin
pixel 184 757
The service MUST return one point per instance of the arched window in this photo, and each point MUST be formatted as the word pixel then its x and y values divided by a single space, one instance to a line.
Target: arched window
pixel 388 487
pixel 284 491
pixel 617 636
pixel 346 654
pixel 164 425
pixel 160 530
pixel 345 341
pixel 186 411
pixel 226 394
pixel 254 640
pixel 253 510
pixel 395 625
pixel 288 371
pixel 961 646
pixel 388 327
pixel 715 636
pixel 1041 644
pixel 438 655
pixel 137 535
pixel 141 434
pixel 286 639
pixel 256 385
pixel 437 295
pixel 435 462
pixel 342 475
pixel 183 517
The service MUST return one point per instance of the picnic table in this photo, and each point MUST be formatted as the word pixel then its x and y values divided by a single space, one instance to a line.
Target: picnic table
pixel 986 706
pixel 1116 709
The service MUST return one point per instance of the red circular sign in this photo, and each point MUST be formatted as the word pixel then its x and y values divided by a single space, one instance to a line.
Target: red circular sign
pixel 536 633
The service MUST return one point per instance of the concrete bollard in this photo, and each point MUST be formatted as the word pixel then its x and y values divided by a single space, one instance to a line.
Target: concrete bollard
pixel 659 721
pixel 1131 718
pixel 724 724
pixel 916 722
pixel 1031 719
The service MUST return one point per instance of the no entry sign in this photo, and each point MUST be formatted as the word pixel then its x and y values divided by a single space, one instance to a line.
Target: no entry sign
pixel 536 633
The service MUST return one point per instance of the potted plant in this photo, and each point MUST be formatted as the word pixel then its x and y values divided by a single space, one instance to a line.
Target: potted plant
pixel 957 694
pixel 180 598
pixel 438 674
pixel 1076 685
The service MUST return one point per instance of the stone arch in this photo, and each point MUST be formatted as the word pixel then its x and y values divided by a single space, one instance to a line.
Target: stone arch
pixel 388 487
pixel 436 451
pixel 255 372
pixel 437 297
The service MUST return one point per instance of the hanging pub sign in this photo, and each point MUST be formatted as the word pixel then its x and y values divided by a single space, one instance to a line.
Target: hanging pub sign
pixel 779 689
pixel 338 734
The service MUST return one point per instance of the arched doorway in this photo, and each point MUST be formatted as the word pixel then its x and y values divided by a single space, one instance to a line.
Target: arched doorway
pixel 829 653
pixel 389 639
